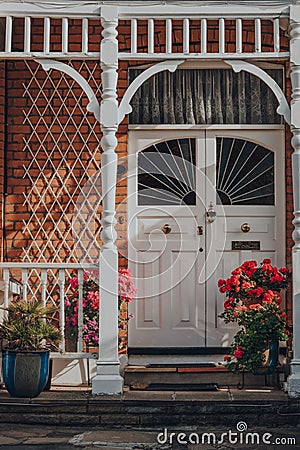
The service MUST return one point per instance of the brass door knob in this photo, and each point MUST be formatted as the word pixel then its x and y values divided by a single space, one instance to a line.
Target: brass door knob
pixel 166 228
pixel 245 227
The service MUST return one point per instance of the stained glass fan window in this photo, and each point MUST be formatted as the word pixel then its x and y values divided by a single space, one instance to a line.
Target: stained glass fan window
pixel 166 173
pixel 245 173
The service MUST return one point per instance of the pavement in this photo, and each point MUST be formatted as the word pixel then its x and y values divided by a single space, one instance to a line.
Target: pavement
pixel 236 433
pixel 37 437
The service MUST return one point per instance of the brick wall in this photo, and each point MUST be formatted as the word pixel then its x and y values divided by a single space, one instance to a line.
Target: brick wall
pixel 21 108
pixel 2 143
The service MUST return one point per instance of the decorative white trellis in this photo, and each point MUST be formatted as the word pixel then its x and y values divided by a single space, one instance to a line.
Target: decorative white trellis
pixel 57 158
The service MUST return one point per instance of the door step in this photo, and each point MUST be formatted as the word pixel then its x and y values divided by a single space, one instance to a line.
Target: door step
pixel 176 387
pixel 191 377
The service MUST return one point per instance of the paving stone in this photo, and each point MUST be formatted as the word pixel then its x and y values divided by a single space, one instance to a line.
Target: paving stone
pixel 6 440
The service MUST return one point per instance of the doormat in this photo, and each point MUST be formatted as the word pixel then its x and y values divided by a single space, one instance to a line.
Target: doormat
pixel 177 387
pixel 181 365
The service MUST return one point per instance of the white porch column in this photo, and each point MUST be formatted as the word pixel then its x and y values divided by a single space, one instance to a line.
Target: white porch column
pixel 108 380
pixel 294 379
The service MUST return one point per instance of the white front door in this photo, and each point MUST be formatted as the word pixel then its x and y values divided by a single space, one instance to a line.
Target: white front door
pixel 176 252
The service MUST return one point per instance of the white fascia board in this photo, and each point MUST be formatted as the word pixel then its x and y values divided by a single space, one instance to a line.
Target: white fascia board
pixel 205 10
pixel 53 9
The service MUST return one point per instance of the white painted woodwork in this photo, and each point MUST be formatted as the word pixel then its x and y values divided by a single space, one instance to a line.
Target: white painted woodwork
pixel 24 283
pixel 47 23
pixel 169 36
pixel 168 12
pixel 267 225
pixel 133 36
pixel 276 36
pixel 62 280
pixel 221 36
pixel 186 35
pixel 44 286
pixel 203 36
pixel 258 35
pixel 294 378
pixel 185 314
pixel 108 379
pixel 85 36
pixel 239 36
pixel 8 34
pixel 80 311
pixel 42 271
pixel 150 36
pixel 65 35
pixel 283 108
pixel 27 34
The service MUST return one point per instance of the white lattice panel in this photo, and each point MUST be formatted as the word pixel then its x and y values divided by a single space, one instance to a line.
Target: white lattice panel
pixel 64 153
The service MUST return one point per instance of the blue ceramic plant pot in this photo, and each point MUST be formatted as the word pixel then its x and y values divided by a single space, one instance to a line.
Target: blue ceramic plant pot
pixel 25 374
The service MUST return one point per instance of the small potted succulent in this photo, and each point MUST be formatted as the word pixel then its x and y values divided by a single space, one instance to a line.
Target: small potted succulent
pixel 28 332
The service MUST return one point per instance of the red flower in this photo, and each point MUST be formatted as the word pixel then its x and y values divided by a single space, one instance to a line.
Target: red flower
pixel 266 261
pixel 246 285
pixel 284 270
pixel 287 331
pixel 221 282
pixel 238 352
pixel 227 358
pixel 277 278
pixel 228 303
pixel 267 268
pixel 249 267
pixel 234 280
pixel 256 306
pixel 284 315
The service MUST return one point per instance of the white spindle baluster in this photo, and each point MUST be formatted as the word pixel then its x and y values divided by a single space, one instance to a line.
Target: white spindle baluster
pixel 8 34
pixel 221 35
pixel 85 35
pixel 150 36
pixel 203 36
pixel 46 34
pixel 239 36
pixel 258 35
pixel 44 284
pixel 27 33
pixel 169 36
pixel 61 275
pixel 134 36
pixel 25 283
pixel 65 35
pixel 276 36
pixel 80 311
pixel 6 289
pixel 186 36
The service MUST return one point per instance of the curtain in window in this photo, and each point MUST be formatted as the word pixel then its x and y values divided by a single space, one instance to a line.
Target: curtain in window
pixel 205 96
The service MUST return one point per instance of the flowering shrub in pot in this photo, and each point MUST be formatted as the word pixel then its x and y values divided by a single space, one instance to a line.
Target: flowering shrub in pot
pixel 91 301
pixel 253 302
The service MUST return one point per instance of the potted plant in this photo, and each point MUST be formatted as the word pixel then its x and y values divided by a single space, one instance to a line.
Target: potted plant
pixel 254 303
pixel 27 334
pixel 90 302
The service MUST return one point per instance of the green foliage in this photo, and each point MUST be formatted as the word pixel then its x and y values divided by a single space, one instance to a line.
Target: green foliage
pixel 253 302
pixel 29 326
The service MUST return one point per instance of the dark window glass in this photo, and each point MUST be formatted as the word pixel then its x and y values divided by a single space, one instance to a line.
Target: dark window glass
pixel 166 173
pixel 245 173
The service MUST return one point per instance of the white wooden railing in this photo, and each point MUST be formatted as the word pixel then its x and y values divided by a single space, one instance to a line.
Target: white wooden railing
pixel 40 281
pixel 153 19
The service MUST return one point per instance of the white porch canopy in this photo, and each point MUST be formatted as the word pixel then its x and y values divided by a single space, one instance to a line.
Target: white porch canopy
pixel 110 114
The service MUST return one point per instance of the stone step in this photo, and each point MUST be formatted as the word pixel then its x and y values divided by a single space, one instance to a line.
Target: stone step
pixel 153 410
pixel 169 377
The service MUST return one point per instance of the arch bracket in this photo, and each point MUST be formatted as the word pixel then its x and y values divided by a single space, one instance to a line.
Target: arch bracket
pixel 283 108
